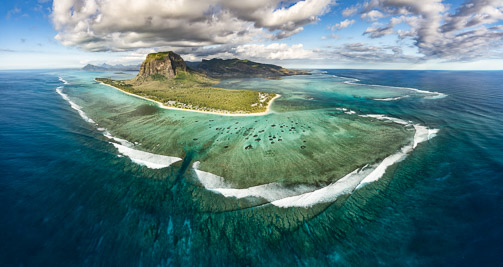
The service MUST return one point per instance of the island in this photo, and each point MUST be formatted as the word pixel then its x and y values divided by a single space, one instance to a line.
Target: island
pixel 165 79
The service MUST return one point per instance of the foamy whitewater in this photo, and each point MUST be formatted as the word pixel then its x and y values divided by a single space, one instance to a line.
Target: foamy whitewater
pixel 150 160
pixel 428 94
pixel 390 98
pixel 270 192
pixel 78 108
pixel 63 80
pixel 308 196
pixel 347 111
pixel 124 147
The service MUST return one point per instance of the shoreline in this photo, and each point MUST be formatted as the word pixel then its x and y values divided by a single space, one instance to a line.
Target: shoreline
pixel 161 105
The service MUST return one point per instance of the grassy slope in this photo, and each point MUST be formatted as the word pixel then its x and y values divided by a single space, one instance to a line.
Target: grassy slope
pixel 194 91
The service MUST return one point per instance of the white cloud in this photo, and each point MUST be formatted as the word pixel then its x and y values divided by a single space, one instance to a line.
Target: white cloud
pixel 343 24
pixel 463 35
pixel 361 52
pixel 372 15
pixel 121 25
pixel 350 11
pixel 274 51
pixel 473 14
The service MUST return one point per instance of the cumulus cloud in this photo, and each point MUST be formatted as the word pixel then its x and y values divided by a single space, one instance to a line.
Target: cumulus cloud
pixel 474 13
pixel 372 15
pixel 350 11
pixel 343 24
pixel 275 51
pixel 461 35
pixel 270 52
pixel 120 25
pixel 361 52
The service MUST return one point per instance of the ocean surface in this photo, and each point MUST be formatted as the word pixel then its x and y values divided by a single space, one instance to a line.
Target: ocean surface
pixel 352 168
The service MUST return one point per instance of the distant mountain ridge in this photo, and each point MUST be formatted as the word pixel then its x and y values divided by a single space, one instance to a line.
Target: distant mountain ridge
pixel 242 68
pixel 107 67
pixel 215 68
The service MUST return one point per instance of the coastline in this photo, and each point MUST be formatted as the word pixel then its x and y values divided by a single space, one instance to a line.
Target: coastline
pixel 161 105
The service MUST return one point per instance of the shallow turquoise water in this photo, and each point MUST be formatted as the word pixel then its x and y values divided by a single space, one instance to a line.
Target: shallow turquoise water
pixel 68 198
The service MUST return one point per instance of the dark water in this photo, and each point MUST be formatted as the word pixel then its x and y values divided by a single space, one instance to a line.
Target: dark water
pixel 67 199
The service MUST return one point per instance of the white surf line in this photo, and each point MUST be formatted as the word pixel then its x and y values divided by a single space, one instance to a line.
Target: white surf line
pixel 384 117
pixel 350 80
pixel 150 160
pixel 307 196
pixel 78 108
pixel 354 81
pixel 347 111
pixel 330 193
pixel 390 98
pixel 123 142
pixel 422 134
pixel 270 191
pixel 285 197
pixel 63 80
pixel 125 148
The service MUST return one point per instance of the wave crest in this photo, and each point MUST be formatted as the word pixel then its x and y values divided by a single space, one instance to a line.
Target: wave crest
pixel 306 195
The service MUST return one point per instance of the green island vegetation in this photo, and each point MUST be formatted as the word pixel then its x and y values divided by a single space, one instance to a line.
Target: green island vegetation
pixel 243 68
pixel 164 77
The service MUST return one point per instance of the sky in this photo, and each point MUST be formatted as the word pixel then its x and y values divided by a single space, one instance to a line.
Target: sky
pixel 369 34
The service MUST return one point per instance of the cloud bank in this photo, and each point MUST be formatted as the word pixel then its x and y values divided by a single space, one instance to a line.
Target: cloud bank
pixel 464 34
pixel 123 25
pixel 424 30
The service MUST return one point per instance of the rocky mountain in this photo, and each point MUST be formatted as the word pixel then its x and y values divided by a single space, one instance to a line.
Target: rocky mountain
pixel 167 64
pixel 107 67
pixel 165 77
pixel 238 68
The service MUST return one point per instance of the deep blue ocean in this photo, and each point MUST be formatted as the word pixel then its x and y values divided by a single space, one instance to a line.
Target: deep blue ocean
pixel 66 199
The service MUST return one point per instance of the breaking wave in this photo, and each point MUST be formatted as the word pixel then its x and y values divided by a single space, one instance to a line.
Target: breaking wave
pixel 306 195
pixel 63 80
pixel 428 94
pixel 391 98
pixel 124 147
pixel 78 108
pixel 150 160
pixel 271 192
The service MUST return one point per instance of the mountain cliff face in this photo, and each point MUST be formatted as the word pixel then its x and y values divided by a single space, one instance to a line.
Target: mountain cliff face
pixel 167 64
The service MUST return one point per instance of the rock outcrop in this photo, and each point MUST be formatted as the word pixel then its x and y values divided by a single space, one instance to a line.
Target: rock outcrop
pixel 167 64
